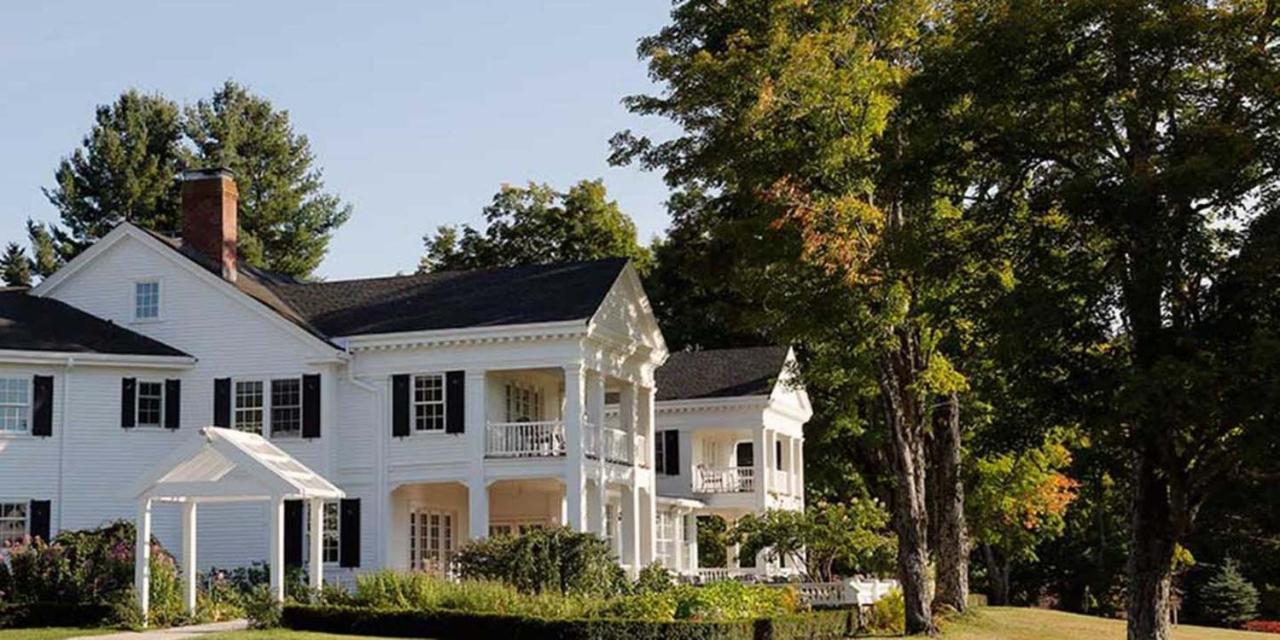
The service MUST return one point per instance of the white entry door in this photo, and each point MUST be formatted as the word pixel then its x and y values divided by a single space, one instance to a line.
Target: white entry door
pixel 433 540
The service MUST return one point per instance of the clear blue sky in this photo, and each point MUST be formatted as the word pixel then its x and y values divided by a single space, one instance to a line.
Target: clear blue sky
pixel 417 111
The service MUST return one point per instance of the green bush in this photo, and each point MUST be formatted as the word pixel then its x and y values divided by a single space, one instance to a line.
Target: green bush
pixel 261 608
pixel 654 579
pixel 1226 598
pixel 558 560
pixel 450 625
pixel 887 615
pixel 733 601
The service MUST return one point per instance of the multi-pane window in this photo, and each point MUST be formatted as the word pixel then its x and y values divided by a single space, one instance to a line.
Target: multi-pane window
pixel 329 545
pixel 15 405
pixel 665 538
pixel 524 403
pixel 13 521
pixel 431 541
pixel 660 453
pixel 428 402
pixel 515 527
pixel 249 405
pixel 286 407
pixel 150 403
pixel 146 300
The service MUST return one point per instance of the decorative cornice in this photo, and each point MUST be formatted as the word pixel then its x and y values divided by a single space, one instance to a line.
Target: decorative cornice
pixel 712 404
pixel 538 332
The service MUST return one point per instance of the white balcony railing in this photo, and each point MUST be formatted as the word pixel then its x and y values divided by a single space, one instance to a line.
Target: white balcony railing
pixel 617 445
pixel 525 439
pixel 724 479
pixel 642 450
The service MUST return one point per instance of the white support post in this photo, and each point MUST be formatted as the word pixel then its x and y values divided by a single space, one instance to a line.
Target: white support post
pixel 478 507
pixel 799 470
pixel 275 547
pixel 648 526
pixel 677 540
pixel 631 527
pixel 315 575
pixel 645 411
pixel 189 567
pixel 691 534
pixel 142 558
pixel 760 444
pixel 476 419
pixel 574 478
pixel 596 497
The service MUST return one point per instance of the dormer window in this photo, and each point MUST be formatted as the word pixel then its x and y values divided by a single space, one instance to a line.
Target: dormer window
pixel 146 300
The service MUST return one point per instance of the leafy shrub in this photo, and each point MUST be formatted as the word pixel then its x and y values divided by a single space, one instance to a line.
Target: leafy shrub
pixel 888 615
pixel 654 579
pixel 261 608
pixel 1226 598
pixel 1262 626
pixel 558 560
pixel 733 601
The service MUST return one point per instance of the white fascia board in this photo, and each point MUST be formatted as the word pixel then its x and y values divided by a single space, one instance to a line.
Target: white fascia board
pixel 327 351
pixel 71 358
pixel 712 404
pixel 502 333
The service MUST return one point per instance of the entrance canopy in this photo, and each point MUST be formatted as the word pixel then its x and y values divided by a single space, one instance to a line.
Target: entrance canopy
pixel 224 465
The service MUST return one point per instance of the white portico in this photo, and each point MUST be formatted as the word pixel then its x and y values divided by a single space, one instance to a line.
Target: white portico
pixel 219 466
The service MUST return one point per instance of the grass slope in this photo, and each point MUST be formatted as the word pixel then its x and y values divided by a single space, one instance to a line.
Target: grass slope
pixel 52 633
pixel 1007 623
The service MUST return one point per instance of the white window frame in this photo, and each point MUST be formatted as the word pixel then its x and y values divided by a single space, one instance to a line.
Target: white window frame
pixel 25 414
pixel 137 404
pixel 517 525
pixel 660 452
pixel 271 402
pixel 268 401
pixel 25 506
pixel 415 404
pixel 159 302
pixel 332 535
pixel 419 537
pixel 665 538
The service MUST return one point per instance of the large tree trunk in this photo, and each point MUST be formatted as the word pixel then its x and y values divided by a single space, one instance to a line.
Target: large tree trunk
pixel 998 574
pixel 904 417
pixel 947 517
pixel 1151 553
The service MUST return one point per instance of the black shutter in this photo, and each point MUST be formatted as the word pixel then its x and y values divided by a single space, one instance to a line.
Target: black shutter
pixel 222 402
pixel 746 454
pixel 293 533
pixel 172 403
pixel 42 406
pixel 311 405
pixel 671 447
pixel 400 405
pixel 349 532
pixel 39 518
pixel 777 455
pixel 455 414
pixel 128 400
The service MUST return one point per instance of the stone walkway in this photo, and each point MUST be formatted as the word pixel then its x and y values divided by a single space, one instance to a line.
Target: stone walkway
pixel 176 633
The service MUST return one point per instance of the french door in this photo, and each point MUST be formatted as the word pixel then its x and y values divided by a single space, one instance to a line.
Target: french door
pixel 433 539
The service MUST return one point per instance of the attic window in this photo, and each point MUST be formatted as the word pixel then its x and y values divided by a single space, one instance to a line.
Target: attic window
pixel 146 300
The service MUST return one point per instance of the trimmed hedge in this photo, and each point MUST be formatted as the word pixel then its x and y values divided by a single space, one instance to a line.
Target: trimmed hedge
pixel 53 614
pixel 451 625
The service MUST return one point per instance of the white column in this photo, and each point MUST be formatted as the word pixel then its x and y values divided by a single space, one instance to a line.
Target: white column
pixel 275 547
pixel 595 398
pixel 478 507
pixel 476 417
pixel 793 466
pixel 646 423
pixel 800 470
pixel 315 575
pixel 574 480
pixel 627 418
pixel 596 497
pixel 759 442
pixel 142 558
pixel 648 524
pixel 630 534
pixel 691 534
pixel 677 540
pixel 189 567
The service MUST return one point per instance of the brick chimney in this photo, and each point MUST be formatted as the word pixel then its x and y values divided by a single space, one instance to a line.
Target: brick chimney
pixel 209 216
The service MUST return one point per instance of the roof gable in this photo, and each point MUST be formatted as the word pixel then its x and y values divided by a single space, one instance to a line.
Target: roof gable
pixel 31 323
pixel 625 313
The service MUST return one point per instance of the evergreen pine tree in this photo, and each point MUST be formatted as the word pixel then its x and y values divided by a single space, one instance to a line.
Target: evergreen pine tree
pixel 46 257
pixel 15 267
pixel 1227 598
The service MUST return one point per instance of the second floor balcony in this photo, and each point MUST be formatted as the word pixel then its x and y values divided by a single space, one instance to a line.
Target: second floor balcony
pixel 724 479
pixel 549 438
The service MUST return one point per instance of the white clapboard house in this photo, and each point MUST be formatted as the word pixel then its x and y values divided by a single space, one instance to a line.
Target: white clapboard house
pixel 445 406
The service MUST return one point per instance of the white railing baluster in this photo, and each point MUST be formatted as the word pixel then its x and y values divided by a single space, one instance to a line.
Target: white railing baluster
pixel 525 439
pixel 724 479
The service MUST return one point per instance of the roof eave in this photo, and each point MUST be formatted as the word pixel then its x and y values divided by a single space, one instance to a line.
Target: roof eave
pixel 75 358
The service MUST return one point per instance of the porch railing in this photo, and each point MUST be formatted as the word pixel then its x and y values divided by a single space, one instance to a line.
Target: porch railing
pixel 617 445
pixel 525 439
pixel 724 480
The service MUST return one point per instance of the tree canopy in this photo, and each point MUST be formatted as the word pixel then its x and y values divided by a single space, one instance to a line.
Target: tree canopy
pixel 536 224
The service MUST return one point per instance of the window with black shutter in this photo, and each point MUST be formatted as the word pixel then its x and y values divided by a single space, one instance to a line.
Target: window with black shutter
pixel 222 402
pixel 40 519
pixel 400 405
pixel 311 406
pixel 349 525
pixel 672 452
pixel 128 402
pixel 42 406
pixel 455 390
pixel 172 404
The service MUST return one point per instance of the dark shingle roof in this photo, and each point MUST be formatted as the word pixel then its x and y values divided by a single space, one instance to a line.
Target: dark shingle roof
pixel 454 299
pixel 429 301
pixel 30 323
pixel 720 373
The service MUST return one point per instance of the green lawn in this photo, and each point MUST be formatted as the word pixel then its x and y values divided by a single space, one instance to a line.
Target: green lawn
pixel 53 633
pixel 278 634
pixel 1003 623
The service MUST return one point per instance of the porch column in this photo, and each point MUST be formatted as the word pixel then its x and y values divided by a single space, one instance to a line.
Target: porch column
pixel 631 527
pixel 799 470
pixel 475 418
pixel 677 540
pixel 691 535
pixel 574 478
pixel 275 547
pixel 596 498
pixel 142 558
pixel 478 507
pixel 315 573
pixel 595 399
pixel 645 424
pixel 760 444
pixel 189 566
pixel 627 419
pixel 648 524
pixel 793 467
